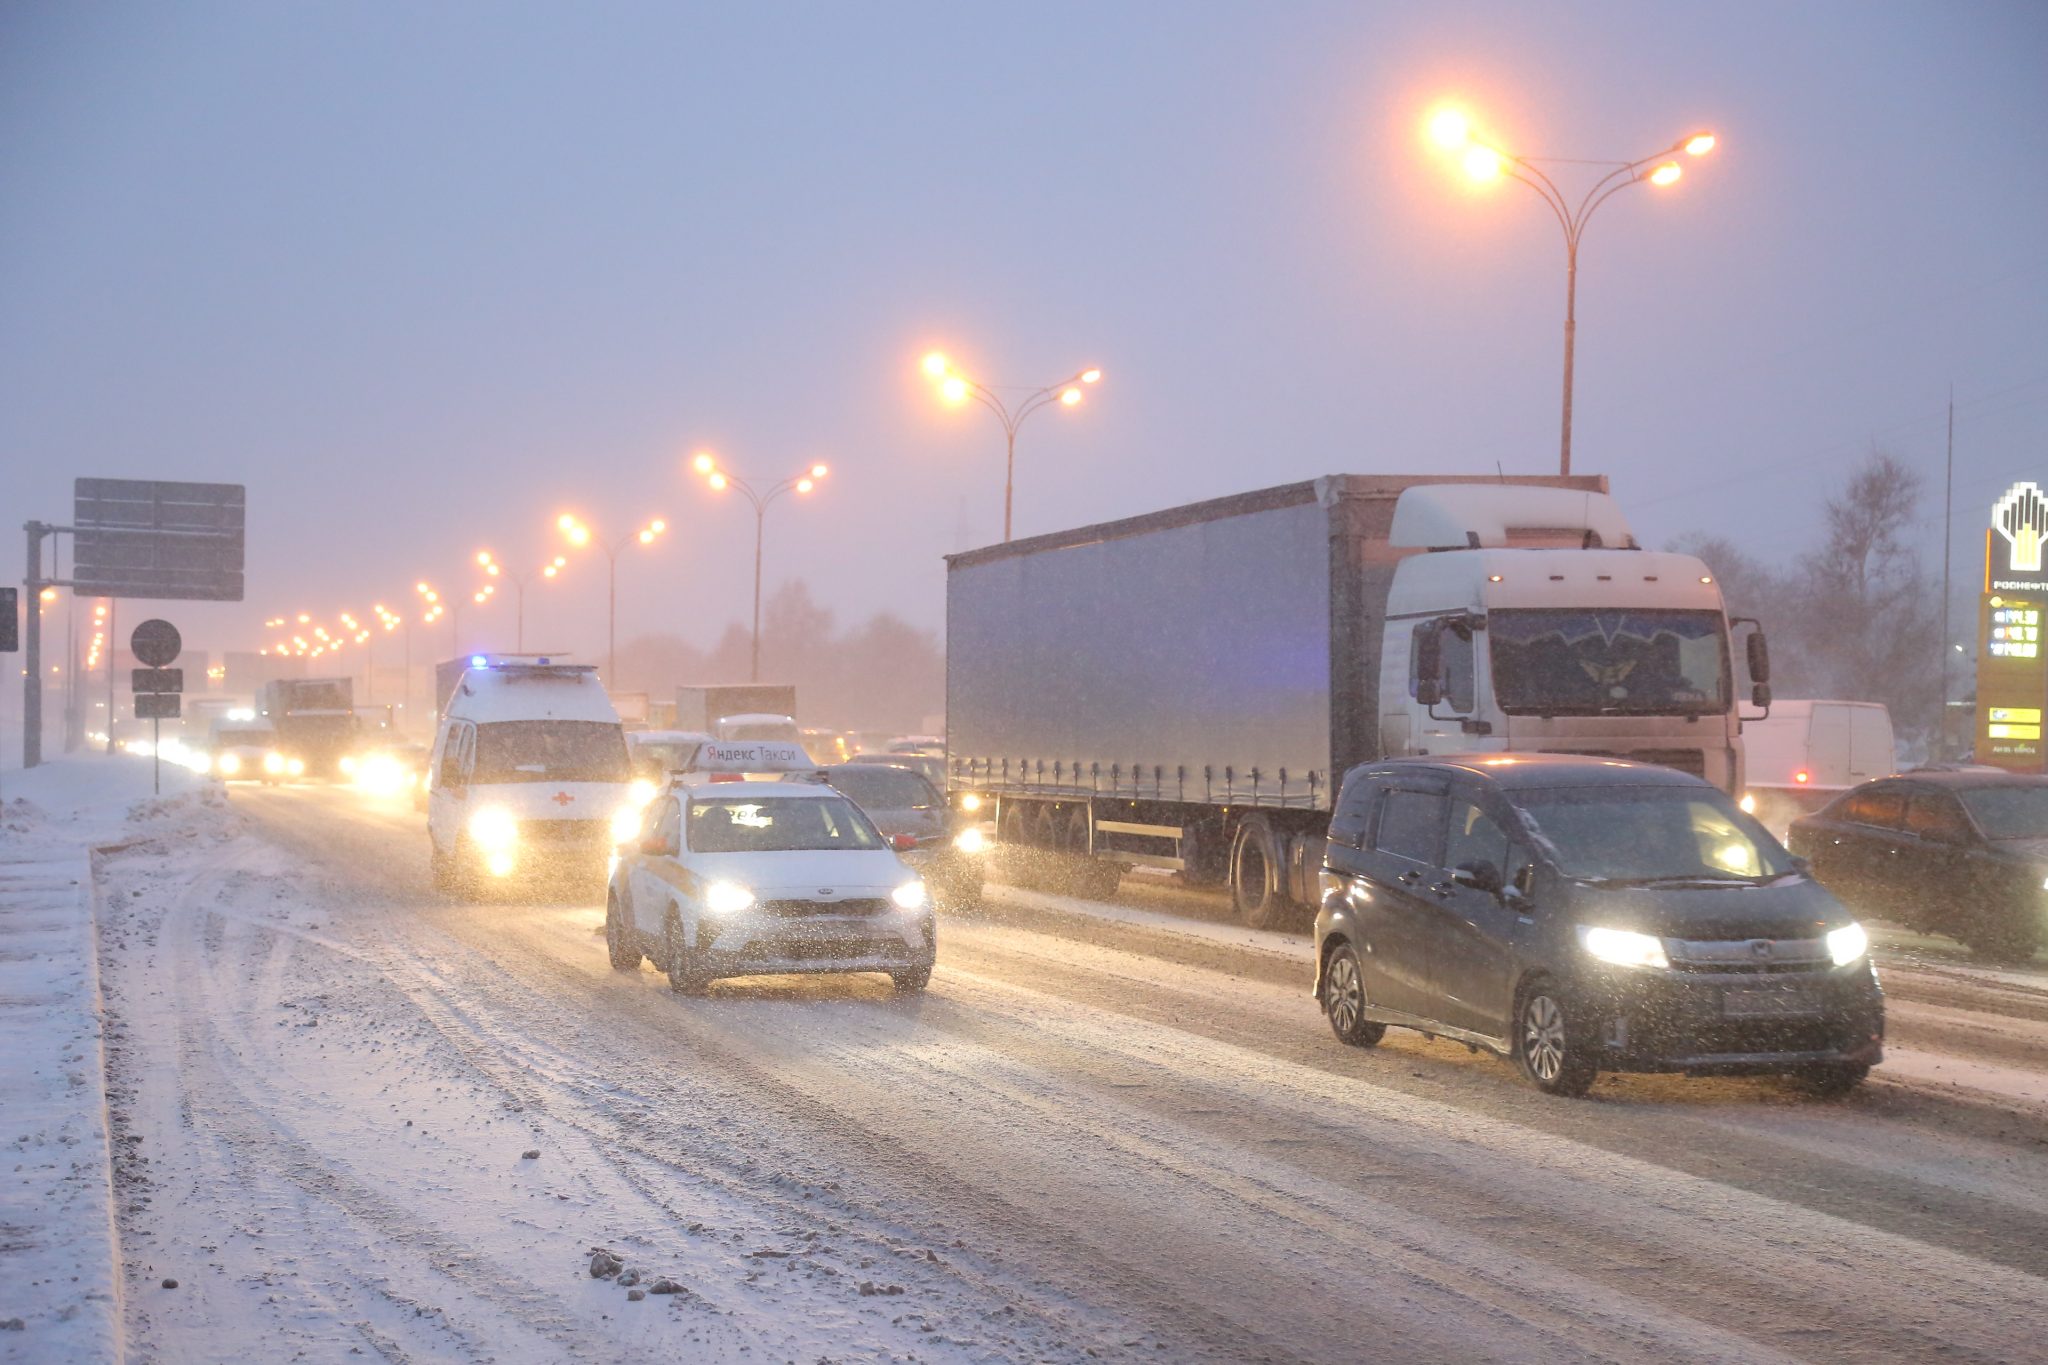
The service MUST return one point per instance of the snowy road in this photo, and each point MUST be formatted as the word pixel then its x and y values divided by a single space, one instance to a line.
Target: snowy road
pixel 1092 1138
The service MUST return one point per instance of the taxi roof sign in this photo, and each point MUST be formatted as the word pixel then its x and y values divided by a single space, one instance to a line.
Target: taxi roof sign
pixel 751 756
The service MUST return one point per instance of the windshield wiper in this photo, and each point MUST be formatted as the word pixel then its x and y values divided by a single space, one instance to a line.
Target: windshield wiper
pixel 1695 879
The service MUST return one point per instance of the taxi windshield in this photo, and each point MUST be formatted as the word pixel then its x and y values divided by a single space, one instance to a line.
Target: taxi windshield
pixel 550 751
pixel 779 825
pixel 1650 834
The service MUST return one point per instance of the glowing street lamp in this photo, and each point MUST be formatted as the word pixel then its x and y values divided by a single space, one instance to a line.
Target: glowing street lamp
pixel 956 388
pixel 719 479
pixel 494 569
pixel 1450 130
pixel 579 534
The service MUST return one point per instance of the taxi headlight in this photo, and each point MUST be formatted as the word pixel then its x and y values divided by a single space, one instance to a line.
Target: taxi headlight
pixel 230 764
pixel 971 841
pixel 1623 947
pixel 909 896
pixel 727 898
pixel 273 763
pixel 493 829
pixel 625 823
pixel 1847 943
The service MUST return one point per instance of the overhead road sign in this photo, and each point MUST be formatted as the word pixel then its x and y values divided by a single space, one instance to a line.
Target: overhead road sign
pixel 159 539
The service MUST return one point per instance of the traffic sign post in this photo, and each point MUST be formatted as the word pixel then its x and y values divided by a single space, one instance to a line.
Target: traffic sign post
pixel 156 687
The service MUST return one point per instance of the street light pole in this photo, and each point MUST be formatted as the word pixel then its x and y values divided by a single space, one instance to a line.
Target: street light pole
pixel 956 387
pixel 720 480
pixel 579 535
pixel 1452 131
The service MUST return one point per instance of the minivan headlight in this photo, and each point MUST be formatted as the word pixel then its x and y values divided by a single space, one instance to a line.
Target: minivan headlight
pixel 727 898
pixel 1623 947
pixel 909 896
pixel 494 829
pixel 1847 943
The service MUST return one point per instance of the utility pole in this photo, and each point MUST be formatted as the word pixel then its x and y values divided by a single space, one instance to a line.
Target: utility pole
pixel 32 649
pixel 1948 522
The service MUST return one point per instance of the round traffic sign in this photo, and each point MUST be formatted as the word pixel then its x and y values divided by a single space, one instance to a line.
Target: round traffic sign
pixel 155 643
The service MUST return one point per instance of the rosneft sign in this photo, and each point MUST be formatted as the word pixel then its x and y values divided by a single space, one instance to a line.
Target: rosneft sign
pixel 2012 673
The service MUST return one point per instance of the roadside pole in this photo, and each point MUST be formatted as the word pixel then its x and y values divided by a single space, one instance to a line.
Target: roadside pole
pixel 32 650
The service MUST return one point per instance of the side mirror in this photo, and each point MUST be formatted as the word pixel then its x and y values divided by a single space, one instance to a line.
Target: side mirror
pixel 1760 664
pixel 1760 693
pixel 1480 876
pixel 656 846
pixel 903 843
pixel 1428 667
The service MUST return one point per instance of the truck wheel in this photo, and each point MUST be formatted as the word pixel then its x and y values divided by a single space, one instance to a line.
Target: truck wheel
pixel 1099 878
pixel 1256 873
pixel 618 938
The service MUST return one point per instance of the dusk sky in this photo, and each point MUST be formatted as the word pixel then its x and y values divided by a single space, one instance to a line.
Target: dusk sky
pixel 423 277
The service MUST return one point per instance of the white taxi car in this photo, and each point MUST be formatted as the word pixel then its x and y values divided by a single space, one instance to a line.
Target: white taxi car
pixel 744 878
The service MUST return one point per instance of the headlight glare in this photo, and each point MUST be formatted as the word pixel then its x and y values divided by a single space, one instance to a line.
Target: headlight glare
pixel 727 898
pixel 970 802
pixel 1623 947
pixel 230 764
pixel 909 896
pixel 971 841
pixel 639 792
pixel 493 829
pixel 625 823
pixel 1847 943
pixel 273 763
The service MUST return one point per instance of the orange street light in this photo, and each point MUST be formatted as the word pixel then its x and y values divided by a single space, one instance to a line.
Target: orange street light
pixel 956 388
pixel 1450 129
pixel 719 480
pixel 495 569
pixel 580 535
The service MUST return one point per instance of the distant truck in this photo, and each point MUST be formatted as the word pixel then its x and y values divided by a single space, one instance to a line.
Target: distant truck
pixel 1807 752
pixel 314 720
pixel 743 711
pixel 1186 690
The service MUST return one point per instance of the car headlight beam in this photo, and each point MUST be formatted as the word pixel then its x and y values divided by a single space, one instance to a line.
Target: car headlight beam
pixel 1623 947
pixel 625 823
pixel 494 830
pixel 1847 943
pixel 971 841
pixel 909 896
pixel 727 898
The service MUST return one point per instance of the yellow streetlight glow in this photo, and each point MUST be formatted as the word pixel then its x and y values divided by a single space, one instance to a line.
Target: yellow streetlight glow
pixel 657 526
pixel 483 556
pixel 561 562
pixel 704 463
pixel 804 485
pixel 1699 144
pixel 1666 174
pixel 1071 397
pixel 818 471
pixel 549 572
pixel 1482 163
pixel 49 594
pixel 953 389
pixel 935 365
pixel 1090 376
pixel 718 481
pixel 1450 129
pixel 565 521
pixel 647 537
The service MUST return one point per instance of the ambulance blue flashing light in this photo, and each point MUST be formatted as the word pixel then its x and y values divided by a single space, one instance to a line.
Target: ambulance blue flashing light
pixel 479 661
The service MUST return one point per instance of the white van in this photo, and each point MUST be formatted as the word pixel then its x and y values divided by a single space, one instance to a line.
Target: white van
pixel 1805 753
pixel 529 776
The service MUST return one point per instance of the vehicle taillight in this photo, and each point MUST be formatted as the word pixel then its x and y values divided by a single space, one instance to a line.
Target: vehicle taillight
pixel 1802 776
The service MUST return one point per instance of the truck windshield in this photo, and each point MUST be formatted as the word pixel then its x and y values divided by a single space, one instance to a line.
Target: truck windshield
pixel 2014 812
pixel 1593 663
pixel 550 751
pixel 1650 834
pixel 779 825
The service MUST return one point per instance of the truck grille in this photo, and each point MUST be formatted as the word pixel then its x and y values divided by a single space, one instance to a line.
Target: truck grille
pixel 795 909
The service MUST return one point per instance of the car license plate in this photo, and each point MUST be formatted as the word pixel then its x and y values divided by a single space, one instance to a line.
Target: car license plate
pixel 1769 1002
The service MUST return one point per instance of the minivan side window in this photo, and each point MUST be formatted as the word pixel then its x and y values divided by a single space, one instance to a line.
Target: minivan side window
pixel 1411 825
pixel 1354 804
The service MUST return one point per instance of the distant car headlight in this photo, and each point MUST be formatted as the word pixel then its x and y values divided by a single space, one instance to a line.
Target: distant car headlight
pixel 1748 803
pixel 1623 947
pixel 970 802
pixel 230 764
pixel 493 829
pixel 295 767
pixel 273 763
pixel 727 898
pixel 909 896
pixel 625 823
pixel 1847 943
pixel 348 765
pixel 971 841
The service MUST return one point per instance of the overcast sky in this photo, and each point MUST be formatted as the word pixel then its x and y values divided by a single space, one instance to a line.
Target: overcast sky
pixel 424 276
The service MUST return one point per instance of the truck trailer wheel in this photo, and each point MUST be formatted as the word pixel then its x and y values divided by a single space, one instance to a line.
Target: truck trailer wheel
pixel 1258 874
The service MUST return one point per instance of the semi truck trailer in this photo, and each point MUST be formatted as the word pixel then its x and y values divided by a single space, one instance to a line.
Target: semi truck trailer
pixel 1186 690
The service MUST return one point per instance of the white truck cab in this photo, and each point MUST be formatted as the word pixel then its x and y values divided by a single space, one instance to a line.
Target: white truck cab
pixel 529 777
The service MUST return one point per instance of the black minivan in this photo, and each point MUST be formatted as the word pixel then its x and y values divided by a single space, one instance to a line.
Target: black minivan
pixel 1585 914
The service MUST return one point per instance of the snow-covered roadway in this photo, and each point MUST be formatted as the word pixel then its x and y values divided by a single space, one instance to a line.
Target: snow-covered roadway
pixel 1093 1138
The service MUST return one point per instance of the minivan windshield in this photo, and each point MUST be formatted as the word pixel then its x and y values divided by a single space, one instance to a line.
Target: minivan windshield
pixel 1580 662
pixel 1643 834
pixel 2009 812
pixel 550 751
pixel 779 825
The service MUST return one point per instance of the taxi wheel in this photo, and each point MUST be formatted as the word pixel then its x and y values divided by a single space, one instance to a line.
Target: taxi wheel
pixel 916 979
pixel 618 938
pixel 686 975
pixel 1551 1046
pixel 1344 1000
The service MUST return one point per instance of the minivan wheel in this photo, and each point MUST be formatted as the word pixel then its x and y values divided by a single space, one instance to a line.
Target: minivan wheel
pixel 1344 1000
pixel 618 938
pixel 1550 1046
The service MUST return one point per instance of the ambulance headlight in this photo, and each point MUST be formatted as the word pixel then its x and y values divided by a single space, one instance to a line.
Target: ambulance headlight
pixel 909 896
pixel 625 823
pixel 639 792
pixel 493 829
pixel 273 763
pixel 230 764
pixel 727 898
